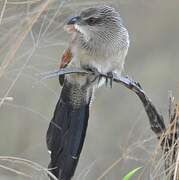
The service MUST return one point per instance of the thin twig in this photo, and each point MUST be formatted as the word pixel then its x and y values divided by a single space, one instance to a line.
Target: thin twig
pixel 15 171
pixel 176 168
pixel 28 163
pixel 29 22
pixel 109 169
pixel 3 10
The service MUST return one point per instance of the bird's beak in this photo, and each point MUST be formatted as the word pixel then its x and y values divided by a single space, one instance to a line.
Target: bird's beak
pixel 73 20
pixel 70 25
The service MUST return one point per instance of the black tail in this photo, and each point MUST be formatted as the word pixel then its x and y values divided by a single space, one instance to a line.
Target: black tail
pixel 67 129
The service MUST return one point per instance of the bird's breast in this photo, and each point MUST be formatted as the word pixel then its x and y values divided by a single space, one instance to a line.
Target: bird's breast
pixel 103 63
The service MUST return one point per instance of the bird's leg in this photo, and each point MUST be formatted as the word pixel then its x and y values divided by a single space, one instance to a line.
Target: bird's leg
pixel 109 77
pixel 95 73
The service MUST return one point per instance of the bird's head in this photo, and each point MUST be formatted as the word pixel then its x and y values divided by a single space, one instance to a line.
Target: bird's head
pixel 99 30
pixel 95 23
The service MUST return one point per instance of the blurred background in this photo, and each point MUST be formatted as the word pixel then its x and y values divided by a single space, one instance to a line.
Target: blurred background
pixel 118 138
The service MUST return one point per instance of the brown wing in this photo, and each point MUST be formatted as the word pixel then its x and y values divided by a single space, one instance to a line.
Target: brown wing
pixel 65 60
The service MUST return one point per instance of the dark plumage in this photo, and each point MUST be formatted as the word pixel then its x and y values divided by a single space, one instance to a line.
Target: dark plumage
pixel 67 129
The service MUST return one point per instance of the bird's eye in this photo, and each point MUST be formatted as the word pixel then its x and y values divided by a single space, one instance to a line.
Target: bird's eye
pixel 91 21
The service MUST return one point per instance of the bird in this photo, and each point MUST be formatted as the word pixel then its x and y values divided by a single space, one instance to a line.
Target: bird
pixel 99 42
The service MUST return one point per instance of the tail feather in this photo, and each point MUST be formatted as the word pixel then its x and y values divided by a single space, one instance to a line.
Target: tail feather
pixel 67 130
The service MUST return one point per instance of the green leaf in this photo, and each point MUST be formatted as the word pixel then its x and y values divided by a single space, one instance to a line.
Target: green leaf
pixel 131 173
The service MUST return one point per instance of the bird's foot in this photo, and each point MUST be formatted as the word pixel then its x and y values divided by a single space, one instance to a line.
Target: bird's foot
pixel 109 79
pixel 95 74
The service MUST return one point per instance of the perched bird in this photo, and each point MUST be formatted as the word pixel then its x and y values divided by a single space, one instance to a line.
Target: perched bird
pixel 99 42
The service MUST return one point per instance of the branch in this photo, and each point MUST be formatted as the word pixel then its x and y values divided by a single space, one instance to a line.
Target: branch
pixel 155 118
pixel 168 136
pixel 61 72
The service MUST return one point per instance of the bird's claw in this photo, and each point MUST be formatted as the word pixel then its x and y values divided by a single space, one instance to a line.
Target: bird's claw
pixel 109 79
pixel 95 73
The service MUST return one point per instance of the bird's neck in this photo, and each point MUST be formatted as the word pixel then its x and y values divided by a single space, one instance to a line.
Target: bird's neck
pixel 103 44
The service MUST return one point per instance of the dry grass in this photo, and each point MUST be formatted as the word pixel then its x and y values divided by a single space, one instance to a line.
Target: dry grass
pixel 21 31
pixel 30 164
